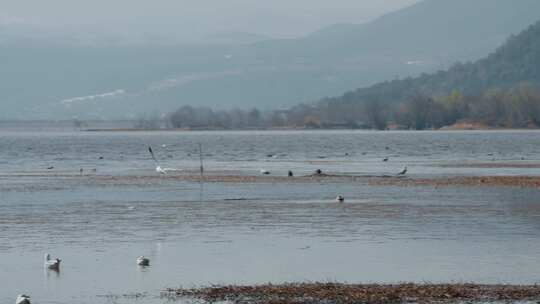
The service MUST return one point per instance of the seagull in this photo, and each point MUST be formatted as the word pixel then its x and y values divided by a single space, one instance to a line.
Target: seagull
pixel 22 299
pixel 340 199
pixel 158 167
pixel 52 264
pixel 143 261
pixel 403 172
pixel 265 172
pixel 385 159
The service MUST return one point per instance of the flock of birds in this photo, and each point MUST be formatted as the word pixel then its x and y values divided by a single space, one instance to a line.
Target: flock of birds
pixel 161 170
pixel 54 265
pixel 319 171
pixel 339 198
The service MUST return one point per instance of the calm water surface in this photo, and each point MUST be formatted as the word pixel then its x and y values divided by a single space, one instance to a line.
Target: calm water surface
pixel 262 232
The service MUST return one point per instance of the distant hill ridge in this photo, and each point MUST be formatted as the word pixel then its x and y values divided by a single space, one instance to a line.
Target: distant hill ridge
pixel 516 61
pixel 39 76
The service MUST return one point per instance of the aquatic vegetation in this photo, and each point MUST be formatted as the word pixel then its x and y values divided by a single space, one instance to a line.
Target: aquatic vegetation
pixel 371 293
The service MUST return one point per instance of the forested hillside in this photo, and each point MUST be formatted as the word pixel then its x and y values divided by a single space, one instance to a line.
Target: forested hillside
pixel 518 60
pixel 491 85
pixel 498 91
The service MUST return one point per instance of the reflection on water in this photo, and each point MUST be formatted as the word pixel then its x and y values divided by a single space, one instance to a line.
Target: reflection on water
pixel 254 233
pixel 55 273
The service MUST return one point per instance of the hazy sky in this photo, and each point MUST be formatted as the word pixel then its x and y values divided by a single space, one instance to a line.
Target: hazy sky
pixel 279 18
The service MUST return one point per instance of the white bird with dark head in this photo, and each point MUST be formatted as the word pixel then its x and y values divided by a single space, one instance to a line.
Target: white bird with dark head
pixel 143 261
pixel 22 299
pixel 53 264
pixel 340 199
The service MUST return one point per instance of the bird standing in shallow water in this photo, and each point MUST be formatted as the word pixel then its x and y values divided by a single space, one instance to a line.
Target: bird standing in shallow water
pixel 290 174
pixel 22 299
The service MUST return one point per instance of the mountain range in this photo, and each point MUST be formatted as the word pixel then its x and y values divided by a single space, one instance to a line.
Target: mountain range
pixel 58 79
pixel 515 62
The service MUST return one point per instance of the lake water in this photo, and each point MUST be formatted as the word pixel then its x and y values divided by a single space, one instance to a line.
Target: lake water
pixel 222 233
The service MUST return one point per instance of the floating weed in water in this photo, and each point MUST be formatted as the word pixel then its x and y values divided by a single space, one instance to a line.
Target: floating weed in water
pixel 125 298
pixel 303 293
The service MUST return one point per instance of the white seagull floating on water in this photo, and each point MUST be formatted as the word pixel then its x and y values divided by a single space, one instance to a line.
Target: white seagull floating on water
pixel 160 170
pixel 340 199
pixel 53 264
pixel 143 261
pixel 22 299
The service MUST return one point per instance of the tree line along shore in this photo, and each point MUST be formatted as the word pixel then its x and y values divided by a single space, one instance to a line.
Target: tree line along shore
pixel 514 108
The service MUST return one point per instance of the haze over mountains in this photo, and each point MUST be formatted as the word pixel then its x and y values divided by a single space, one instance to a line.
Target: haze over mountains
pixel 65 80
pixel 498 91
pixel 516 62
pixel 184 21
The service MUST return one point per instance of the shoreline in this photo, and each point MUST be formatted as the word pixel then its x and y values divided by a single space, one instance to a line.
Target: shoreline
pixel 308 129
pixel 521 181
pixel 338 293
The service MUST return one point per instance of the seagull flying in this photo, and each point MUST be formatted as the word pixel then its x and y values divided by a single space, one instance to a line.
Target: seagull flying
pixel 158 167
